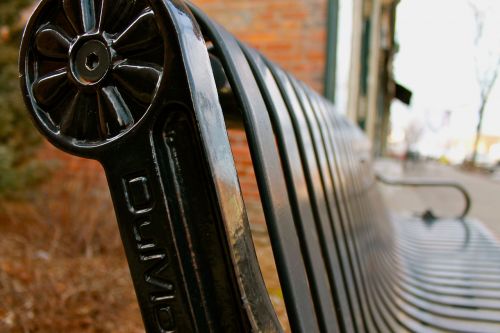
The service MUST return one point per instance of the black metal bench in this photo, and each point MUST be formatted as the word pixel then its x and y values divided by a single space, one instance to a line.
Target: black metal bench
pixel 151 100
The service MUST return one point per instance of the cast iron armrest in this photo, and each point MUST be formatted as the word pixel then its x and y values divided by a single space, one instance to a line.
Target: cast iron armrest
pixel 431 183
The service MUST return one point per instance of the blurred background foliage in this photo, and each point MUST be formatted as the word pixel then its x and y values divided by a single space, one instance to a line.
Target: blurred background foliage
pixel 62 267
pixel 19 141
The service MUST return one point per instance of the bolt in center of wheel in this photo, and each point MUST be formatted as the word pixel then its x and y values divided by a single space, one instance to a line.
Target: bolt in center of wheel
pixel 90 62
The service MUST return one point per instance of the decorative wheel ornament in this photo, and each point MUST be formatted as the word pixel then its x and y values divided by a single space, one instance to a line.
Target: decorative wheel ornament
pixel 91 68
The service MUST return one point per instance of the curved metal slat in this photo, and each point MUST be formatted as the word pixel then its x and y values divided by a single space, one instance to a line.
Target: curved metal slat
pixel 253 295
pixel 342 194
pixel 298 193
pixel 270 179
pixel 360 216
pixel 332 235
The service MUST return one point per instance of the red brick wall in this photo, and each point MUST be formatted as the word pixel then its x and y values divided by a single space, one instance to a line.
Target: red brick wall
pixel 289 32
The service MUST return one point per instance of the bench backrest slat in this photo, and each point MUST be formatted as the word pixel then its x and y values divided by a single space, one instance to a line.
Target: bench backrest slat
pixel 343 192
pixel 321 186
pixel 330 176
pixel 270 178
pixel 328 220
pixel 298 193
pixel 366 221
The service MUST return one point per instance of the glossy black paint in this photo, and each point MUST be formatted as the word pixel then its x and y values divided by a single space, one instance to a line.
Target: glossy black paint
pixel 148 89
pixel 177 200
pixel 81 75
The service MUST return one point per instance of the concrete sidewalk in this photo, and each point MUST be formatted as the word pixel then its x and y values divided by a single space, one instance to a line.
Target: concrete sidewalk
pixel 483 188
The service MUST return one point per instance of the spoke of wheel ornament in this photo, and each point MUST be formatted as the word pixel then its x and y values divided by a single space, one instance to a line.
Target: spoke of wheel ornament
pixel 138 35
pixel 49 87
pixel 112 105
pixel 113 12
pixel 52 43
pixel 91 69
pixel 81 14
pixel 129 73
pixel 77 120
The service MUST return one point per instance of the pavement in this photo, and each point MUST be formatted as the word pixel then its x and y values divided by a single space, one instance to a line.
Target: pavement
pixel 484 189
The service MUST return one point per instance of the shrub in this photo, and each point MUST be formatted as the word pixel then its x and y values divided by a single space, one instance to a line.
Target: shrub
pixel 19 140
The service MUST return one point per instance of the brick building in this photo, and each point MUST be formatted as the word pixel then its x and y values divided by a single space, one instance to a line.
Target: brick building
pixel 290 32
pixel 296 34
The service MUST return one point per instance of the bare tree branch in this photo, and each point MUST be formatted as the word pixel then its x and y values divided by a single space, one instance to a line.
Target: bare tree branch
pixel 486 78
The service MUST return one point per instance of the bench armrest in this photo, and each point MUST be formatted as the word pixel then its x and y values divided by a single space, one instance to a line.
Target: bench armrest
pixel 431 183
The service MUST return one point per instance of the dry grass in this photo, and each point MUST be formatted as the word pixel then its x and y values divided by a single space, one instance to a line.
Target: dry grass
pixel 270 274
pixel 62 266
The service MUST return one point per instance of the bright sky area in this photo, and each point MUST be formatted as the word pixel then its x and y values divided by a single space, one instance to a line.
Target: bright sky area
pixel 438 60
